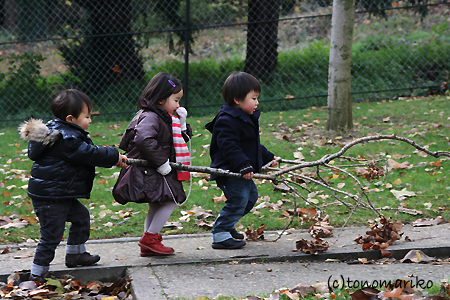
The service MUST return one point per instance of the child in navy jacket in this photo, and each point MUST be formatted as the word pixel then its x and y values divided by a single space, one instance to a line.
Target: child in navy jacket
pixel 235 146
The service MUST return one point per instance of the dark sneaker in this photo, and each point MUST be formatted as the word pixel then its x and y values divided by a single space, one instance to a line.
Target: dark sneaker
pixel 81 259
pixel 229 244
pixel 236 235
pixel 42 278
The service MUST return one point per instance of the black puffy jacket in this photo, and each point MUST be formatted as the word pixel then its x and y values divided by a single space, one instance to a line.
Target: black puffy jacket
pixel 64 159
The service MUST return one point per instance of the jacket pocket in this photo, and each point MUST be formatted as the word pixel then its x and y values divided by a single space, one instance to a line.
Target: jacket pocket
pixel 152 180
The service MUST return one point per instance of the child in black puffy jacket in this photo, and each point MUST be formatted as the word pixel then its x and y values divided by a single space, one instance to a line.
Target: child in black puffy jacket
pixel 63 170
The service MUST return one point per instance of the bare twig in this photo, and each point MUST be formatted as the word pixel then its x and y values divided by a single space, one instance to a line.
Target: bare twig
pixel 360 185
pixel 292 219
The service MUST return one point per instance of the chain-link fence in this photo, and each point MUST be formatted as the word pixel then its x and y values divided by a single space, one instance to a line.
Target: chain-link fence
pixel 111 49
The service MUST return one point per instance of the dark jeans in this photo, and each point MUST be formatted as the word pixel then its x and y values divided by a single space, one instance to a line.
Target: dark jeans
pixel 241 195
pixel 53 216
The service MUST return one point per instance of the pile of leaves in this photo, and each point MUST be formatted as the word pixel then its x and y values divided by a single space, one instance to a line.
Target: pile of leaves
pixel 66 288
pixel 321 228
pixel 382 234
pixel 255 235
pixel 312 246
pixel 371 172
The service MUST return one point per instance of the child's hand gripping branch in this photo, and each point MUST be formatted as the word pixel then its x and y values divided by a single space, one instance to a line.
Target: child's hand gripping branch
pixel 122 163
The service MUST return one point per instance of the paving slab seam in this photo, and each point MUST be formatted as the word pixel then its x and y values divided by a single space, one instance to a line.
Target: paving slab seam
pixel 152 290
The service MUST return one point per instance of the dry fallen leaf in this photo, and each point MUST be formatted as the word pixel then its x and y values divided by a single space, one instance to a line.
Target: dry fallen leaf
pixel 382 234
pixel 395 165
pixel 402 194
pixel 364 293
pixel 255 235
pixel 428 222
pixel 312 247
pixel 416 256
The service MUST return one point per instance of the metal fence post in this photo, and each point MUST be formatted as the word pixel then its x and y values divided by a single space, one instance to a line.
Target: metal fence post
pixel 186 55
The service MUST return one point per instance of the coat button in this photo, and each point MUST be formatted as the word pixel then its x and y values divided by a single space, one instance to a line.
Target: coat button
pixel 145 172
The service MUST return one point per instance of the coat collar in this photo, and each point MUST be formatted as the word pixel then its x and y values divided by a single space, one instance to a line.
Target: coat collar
pixel 158 110
pixel 237 112
pixel 60 121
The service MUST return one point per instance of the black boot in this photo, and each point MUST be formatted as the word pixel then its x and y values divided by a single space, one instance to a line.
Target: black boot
pixel 229 244
pixel 236 235
pixel 81 259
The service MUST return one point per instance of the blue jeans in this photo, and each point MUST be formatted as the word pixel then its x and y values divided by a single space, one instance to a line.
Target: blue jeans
pixel 241 195
pixel 53 216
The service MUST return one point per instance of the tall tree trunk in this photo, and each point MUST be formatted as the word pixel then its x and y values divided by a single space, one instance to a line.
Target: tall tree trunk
pixel 339 76
pixel 10 15
pixel 104 60
pixel 262 38
pixel 32 18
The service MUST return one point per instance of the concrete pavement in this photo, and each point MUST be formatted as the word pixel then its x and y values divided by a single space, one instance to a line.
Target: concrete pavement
pixel 259 268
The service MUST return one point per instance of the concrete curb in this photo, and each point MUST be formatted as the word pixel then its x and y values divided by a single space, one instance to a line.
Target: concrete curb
pixel 106 274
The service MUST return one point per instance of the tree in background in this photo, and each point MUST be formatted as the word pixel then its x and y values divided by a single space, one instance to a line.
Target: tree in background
pixel 262 37
pixel 169 10
pixel 31 17
pixel 101 61
pixel 339 74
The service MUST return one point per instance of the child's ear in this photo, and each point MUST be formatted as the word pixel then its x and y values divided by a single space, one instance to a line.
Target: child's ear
pixel 70 118
pixel 236 101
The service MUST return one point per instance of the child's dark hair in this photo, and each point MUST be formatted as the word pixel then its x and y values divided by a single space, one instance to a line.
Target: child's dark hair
pixel 237 86
pixel 70 102
pixel 160 87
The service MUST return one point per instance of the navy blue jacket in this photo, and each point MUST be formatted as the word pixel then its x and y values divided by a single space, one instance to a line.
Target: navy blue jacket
pixel 65 167
pixel 235 141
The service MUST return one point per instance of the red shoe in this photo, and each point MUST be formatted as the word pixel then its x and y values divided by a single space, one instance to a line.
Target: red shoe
pixel 145 252
pixel 152 242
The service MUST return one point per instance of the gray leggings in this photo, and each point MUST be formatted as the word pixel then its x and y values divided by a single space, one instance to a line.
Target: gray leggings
pixel 158 214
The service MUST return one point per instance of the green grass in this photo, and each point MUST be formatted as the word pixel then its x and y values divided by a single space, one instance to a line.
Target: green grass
pixel 422 120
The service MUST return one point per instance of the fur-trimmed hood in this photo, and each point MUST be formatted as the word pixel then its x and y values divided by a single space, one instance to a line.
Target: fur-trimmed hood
pixel 39 137
pixel 35 130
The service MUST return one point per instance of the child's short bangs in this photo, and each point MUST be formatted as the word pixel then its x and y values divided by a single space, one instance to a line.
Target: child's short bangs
pixel 238 85
pixel 70 102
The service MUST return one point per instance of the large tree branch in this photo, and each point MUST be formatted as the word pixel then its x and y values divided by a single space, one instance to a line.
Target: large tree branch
pixel 329 157
pixel 297 165
pixel 200 169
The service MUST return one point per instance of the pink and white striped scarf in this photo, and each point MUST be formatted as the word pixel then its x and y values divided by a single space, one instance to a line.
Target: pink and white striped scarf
pixel 181 149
